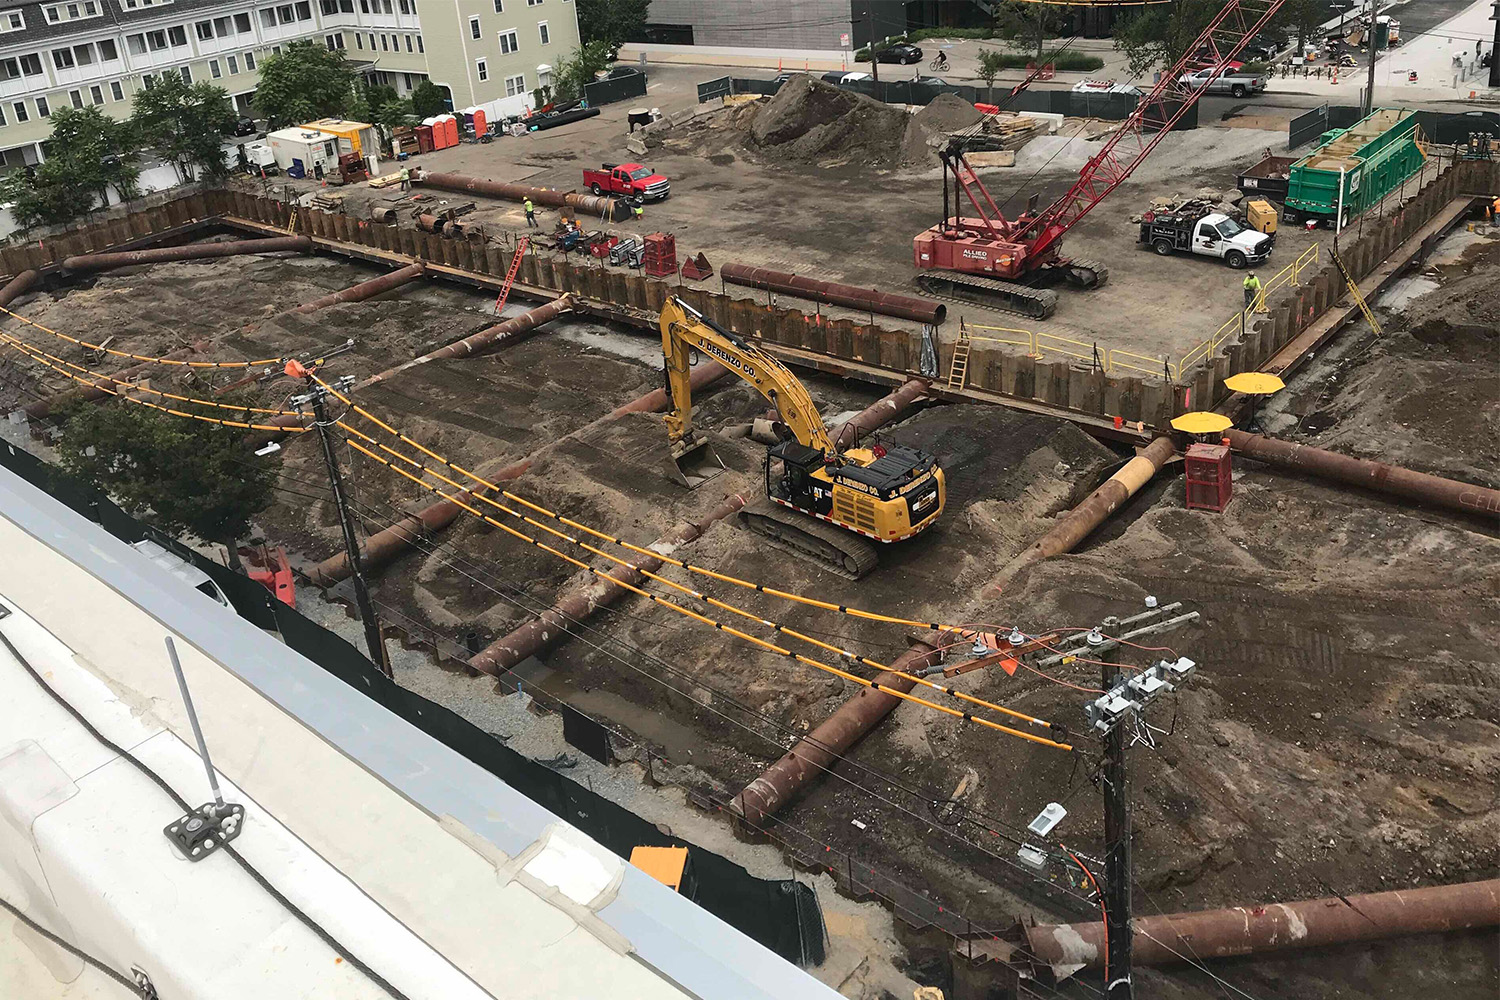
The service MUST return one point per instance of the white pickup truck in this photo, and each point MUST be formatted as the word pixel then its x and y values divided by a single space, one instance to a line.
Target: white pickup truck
pixel 1212 235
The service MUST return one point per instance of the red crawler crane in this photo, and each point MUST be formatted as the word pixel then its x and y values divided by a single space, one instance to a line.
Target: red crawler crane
pixel 998 262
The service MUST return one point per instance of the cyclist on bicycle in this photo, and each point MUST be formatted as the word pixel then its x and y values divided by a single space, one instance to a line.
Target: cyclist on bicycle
pixel 941 62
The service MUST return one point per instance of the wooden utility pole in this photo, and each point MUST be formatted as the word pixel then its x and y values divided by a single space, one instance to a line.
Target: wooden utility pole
pixel 1370 39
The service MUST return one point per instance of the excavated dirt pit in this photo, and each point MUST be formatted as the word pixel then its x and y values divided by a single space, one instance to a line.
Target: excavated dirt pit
pixel 1341 736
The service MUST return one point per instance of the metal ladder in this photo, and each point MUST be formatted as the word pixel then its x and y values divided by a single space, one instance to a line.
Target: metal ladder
pixel 1359 299
pixel 958 370
pixel 510 276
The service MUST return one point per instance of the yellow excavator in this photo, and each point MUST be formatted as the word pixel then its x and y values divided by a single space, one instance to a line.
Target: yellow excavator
pixel 882 493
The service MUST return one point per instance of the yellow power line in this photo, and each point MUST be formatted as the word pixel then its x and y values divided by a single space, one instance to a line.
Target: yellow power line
pixel 705 620
pixel 139 357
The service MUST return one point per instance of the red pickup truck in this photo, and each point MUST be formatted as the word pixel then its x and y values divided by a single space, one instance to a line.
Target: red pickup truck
pixel 629 179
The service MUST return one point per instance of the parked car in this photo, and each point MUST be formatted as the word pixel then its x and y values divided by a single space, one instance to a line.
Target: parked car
pixel 901 52
pixel 936 81
pixel 245 125
pixel 1264 47
pixel 1232 82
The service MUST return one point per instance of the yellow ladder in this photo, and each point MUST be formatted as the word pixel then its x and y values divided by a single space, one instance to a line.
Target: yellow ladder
pixel 1359 299
pixel 958 371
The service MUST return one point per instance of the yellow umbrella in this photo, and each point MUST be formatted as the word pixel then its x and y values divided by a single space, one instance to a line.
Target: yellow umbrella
pixel 1202 422
pixel 1254 383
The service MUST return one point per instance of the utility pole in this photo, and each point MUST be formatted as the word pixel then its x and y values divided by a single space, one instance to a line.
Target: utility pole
pixel 874 63
pixel 316 397
pixel 1495 48
pixel 1370 83
pixel 1119 708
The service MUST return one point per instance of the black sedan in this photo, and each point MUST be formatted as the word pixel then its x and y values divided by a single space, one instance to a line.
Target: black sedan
pixel 901 52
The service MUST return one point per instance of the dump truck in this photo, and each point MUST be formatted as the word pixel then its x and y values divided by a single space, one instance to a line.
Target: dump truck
pixel 1354 170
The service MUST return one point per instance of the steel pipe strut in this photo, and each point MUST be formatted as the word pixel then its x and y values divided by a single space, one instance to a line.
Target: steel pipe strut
pixel 495 189
pixel 383 546
pixel 815 752
pixel 16 286
pixel 103 388
pixel 850 296
pixel 551 627
pixel 1265 927
pixel 1097 506
pixel 366 289
pixel 1378 476
pixel 192 251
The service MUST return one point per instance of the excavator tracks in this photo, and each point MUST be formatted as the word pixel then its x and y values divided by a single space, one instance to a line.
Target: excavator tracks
pixel 838 551
pixel 1087 273
pixel 991 293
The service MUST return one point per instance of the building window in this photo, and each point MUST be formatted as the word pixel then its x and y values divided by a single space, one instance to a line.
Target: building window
pixel 420 46
pixel 21 115
pixel 71 11
pixel 75 97
pixel 250 61
pixel 499 7
pixel 107 50
pixel 213 69
pixel 62 58
pixel 10 69
pixel 533 3
pixel 408 43
pixel 330 7
pixel 204 30
pixel 406 6
pixel 223 27
pixel 268 17
pixel 395 43
pixel 12 20
pixel 96 94
pixel 372 41
pixel 509 42
pixel 285 14
pixel 384 47
pixel 385 5
pixel 84 54
pixel 544 78
pixel 138 4
pixel 42 108
pixel 334 42
pixel 483 69
pixel 241 23
pixel 359 40
pixel 541 27
pixel 116 91
pixel 304 10
pixel 234 65
pixel 515 85
pixel 474 30
pixel 276 50
pixel 31 64
pixel 148 81
pixel 177 36
pixel 2 117
pixel 187 74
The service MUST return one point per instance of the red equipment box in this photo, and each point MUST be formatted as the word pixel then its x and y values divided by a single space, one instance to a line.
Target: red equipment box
pixel 424 139
pixel 1209 480
pixel 661 255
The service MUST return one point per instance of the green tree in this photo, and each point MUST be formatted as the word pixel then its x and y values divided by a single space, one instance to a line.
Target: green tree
pixel 305 82
pixel 611 21
pixel 88 153
pixel 1159 35
pixel 427 99
pixel 185 476
pixel 184 124
pixel 1027 25
pixel 580 68
pixel 990 65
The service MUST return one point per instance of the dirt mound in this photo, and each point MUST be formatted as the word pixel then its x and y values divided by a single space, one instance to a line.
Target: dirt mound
pixel 947 113
pixel 809 120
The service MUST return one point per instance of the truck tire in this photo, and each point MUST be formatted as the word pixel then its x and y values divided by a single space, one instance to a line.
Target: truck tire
pixel 1163 247
pixel 1238 90
pixel 594 187
pixel 1235 259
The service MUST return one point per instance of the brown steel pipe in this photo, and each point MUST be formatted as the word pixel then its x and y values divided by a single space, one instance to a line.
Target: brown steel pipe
pixel 16 286
pixel 850 296
pixel 366 289
pixel 193 251
pixel 1097 506
pixel 1377 476
pixel 1248 930
pixel 104 387
pixel 817 751
pixel 881 412
pixel 385 545
pixel 496 189
pixel 548 629
pixel 515 328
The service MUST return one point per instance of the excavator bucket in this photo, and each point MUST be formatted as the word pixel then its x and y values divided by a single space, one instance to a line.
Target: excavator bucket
pixel 696 464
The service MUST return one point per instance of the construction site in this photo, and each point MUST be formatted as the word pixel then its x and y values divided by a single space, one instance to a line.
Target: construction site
pixel 877 571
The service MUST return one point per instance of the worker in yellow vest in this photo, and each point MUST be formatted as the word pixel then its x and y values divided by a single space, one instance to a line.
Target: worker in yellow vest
pixel 1254 300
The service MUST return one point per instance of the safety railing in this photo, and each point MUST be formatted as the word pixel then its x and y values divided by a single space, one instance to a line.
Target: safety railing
pixel 1234 326
pixel 1040 345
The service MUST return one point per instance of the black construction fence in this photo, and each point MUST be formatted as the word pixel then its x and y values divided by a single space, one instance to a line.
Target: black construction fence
pixel 1072 104
pixel 615 88
pixel 1443 127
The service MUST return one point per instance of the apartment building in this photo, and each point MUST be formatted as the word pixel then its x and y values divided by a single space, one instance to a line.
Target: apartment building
pixel 102 52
